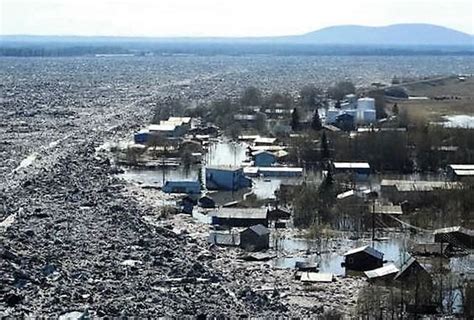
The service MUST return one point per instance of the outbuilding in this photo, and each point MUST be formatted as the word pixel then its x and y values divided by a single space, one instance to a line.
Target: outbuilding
pixel 456 236
pixel 255 238
pixel 363 259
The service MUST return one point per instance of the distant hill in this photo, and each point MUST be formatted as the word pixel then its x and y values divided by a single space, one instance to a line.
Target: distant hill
pixel 401 39
pixel 399 34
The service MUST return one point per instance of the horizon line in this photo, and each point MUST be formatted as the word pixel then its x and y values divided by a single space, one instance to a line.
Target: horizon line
pixel 227 37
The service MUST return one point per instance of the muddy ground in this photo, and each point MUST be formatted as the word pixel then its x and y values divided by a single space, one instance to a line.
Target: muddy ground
pixel 74 238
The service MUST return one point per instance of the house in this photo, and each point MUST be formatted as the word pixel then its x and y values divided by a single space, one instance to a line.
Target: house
pixel 360 169
pixel 385 273
pixel 411 271
pixel 363 259
pixel 226 178
pixel 224 239
pixel 239 217
pixel 264 158
pixel 189 187
pixel 255 238
pixel 206 202
pixel 456 236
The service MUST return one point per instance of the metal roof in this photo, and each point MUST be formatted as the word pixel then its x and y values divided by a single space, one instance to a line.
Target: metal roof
pixel 345 195
pixel 367 249
pixel 351 165
pixel 388 209
pixel 454 229
pixel 265 140
pixel 240 213
pixel 409 185
pixel 224 168
pixel 316 277
pixel 461 166
pixel 464 172
pixel 260 229
pixel 381 272
pixel 162 127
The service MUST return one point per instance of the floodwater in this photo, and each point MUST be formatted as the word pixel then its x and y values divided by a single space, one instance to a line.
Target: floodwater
pixel 329 253
pixel 225 153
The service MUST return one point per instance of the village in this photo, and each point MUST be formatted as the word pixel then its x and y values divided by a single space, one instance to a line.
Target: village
pixel 328 187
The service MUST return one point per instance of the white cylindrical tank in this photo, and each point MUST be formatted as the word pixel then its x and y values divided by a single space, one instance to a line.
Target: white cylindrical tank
pixel 366 104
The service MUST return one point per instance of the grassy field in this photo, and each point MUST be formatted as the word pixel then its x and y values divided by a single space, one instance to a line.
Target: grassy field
pixel 458 99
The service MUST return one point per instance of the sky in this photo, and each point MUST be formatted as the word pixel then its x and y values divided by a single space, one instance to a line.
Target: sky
pixel 168 18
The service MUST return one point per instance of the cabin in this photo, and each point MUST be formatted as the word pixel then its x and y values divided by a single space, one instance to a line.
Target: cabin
pixel 189 187
pixel 226 178
pixel 345 122
pixel 239 217
pixel 456 236
pixel 412 271
pixel 363 259
pixel 255 238
pixel 264 158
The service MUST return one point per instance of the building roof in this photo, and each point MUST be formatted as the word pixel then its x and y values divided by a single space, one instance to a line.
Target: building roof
pixel 240 213
pixel 259 152
pixel 162 127
pixel 179 120
pixel 464 173
pixel 367 249
pixel 409 185
pixel 316 277
pixel 265 140
pixel 461 166
pixel 259 229
pixel 351 165
pixel 267 148
pixel 346 194
pixel 407 265
pixel 388 209
pixel 224 168
pixel 454 229
pixel 381 272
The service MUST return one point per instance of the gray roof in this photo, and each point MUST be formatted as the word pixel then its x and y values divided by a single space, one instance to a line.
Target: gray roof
pixel 406 266
pixel 454 229
pixel 367 249
pixel 260 229
pixel 240 213
pixel 381 272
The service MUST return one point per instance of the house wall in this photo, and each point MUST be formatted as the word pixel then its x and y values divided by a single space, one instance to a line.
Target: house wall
pixel 362 261
pixel 251 241
pixel 233 222
pixel 226 179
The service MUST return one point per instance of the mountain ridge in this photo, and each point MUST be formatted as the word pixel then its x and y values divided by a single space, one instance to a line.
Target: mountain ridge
pixel 408 34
